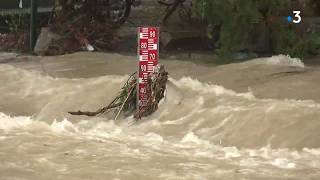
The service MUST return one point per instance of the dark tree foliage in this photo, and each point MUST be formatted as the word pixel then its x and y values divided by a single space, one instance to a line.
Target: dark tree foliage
pixel 82 22
pixel 238 21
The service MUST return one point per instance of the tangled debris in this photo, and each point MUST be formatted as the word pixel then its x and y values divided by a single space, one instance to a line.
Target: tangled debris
pixel 156 91
pixel 81 25
pixel 126 101
pixel 76 25
pixel 15 41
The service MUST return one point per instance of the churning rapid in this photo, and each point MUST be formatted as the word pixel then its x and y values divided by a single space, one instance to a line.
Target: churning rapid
pixel 201 130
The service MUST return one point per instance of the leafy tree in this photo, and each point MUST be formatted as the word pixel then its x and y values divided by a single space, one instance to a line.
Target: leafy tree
pixel 238 21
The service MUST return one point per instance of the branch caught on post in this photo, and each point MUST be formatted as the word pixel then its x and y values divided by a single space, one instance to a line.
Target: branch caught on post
pixel 127 99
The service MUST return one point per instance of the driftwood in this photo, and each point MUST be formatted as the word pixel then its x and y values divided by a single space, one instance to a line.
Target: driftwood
pixel 100 111
pixel 127 98
pixel 156 89
pixel 124 103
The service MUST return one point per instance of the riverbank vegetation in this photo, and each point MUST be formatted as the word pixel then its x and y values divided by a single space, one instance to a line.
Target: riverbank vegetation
pixel 239 29
pixel 258 26
pixel 14 32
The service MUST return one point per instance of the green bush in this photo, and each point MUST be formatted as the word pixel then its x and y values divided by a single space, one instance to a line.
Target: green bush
pixel 286 40
pixel 238 21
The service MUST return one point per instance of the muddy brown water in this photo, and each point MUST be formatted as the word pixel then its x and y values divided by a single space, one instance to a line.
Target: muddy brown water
pixel 256 120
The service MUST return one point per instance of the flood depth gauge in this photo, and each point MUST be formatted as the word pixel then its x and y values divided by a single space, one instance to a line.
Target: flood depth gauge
pixel 148 55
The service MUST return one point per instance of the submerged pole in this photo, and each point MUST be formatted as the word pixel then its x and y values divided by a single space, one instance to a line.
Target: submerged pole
pixel 148 55
pixel 33 23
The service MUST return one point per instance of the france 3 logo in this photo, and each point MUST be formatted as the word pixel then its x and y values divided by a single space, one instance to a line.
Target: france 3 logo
pixel 295 18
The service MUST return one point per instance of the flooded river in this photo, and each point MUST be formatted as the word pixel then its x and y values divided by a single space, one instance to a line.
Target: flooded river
pixel 201 131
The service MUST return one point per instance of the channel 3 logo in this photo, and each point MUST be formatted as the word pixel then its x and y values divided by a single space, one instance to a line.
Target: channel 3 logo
pixel 296 18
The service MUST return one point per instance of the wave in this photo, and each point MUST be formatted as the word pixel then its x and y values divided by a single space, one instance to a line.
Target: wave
pixel 189 144
pixel 213 113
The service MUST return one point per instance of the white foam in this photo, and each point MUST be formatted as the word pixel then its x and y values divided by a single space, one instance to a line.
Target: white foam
pixel 8 123
pixel 312 151
pixel 231 152
pixel 204 88
pixel 283 163
pixel 192 139
pixel 249 162
pixel 153 137
pixel 64 126
pixel 197 147
pixel 3 138
pixel 283 60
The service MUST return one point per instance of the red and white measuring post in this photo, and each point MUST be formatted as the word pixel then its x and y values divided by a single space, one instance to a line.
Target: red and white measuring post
pixel 148 53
